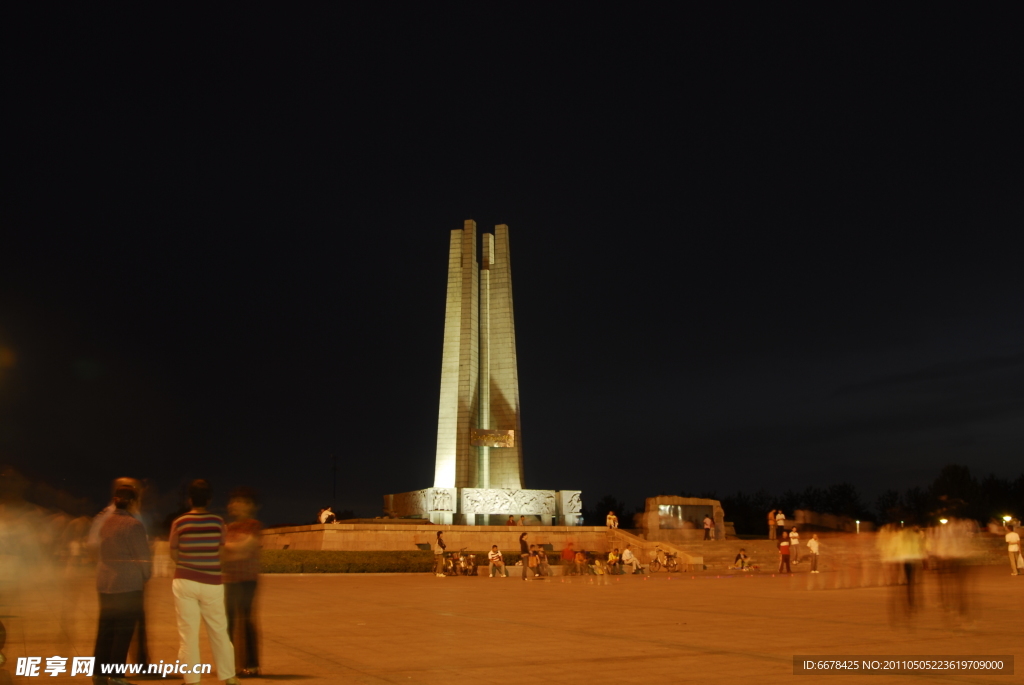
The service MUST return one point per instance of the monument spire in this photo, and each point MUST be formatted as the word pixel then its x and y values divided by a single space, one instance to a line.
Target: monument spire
pixel 478 465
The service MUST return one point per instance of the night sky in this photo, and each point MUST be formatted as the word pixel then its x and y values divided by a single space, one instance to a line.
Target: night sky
pixel 746 251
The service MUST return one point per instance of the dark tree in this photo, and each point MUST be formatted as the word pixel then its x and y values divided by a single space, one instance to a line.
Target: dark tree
pixel 596 516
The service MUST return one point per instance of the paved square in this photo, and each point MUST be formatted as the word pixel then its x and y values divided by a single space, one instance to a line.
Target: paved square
pixel 422 629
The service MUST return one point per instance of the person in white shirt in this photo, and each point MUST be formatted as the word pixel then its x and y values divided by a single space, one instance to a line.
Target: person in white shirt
pixel 812 547
pixel 497 563
pixel 780 523
pixel 611 520
pixel 794 545
pixel 629 560
pixel 1013 549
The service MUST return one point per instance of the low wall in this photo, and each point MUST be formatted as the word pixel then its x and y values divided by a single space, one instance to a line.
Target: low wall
pixel 384 536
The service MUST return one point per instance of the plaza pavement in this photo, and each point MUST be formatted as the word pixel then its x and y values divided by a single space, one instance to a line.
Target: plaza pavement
pixel 415 628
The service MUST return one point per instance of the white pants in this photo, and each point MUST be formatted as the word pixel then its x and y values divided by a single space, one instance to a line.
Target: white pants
pixel 194 601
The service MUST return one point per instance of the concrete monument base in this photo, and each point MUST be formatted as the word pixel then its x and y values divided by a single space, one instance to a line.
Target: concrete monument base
pixel 679 519
pixel 486 506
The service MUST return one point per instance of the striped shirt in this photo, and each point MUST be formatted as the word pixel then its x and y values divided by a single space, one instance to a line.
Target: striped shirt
pixel 198 539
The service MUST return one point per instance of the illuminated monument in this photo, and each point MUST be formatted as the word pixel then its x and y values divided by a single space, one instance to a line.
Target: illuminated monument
pixel 478 469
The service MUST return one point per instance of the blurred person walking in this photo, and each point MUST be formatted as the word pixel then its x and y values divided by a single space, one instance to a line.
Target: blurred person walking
pixel 950 545
pixel 783 545
pixel 241 573
pixel 124 566
pixel 910 553
pixel 197 546
pixel 92 544
pixel 812 548
pixel 1013 549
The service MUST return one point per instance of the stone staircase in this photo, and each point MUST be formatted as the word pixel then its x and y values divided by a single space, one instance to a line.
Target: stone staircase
pixel 645 549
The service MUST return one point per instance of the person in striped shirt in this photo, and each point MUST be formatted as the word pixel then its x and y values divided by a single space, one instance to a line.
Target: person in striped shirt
pixel 197 544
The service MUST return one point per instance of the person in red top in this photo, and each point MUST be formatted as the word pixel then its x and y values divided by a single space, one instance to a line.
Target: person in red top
pixel 784 553
pixel 197 542
pixel 568 554
pixel 241 571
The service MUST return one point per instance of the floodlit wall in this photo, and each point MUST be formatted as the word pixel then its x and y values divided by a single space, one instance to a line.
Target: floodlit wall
pixel 366 537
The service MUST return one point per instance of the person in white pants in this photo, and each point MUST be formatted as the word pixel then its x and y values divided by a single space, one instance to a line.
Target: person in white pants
pixel 813 547
pixel 197 543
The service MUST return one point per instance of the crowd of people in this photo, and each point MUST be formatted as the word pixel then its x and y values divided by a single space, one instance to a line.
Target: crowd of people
pixel 534 562
pixel 216 567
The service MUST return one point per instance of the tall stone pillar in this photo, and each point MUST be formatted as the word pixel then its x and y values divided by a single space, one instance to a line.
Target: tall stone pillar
pixel 455 464
pixel 506 463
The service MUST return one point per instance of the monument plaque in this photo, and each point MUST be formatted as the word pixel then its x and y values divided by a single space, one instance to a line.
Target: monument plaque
pixel 478 464
pixel 492 438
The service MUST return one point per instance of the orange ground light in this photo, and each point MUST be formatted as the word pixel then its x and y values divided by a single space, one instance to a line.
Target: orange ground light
pixel 665 629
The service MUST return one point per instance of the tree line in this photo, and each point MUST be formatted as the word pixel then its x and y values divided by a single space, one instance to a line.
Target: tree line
pixel 955 492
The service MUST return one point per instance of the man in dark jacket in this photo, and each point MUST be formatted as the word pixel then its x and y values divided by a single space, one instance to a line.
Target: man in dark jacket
pixel 124 567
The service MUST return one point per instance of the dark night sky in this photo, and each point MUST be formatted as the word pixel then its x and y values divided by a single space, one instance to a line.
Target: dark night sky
pixel 747 252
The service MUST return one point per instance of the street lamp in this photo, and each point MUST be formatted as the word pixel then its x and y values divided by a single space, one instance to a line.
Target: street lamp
pixel 943 521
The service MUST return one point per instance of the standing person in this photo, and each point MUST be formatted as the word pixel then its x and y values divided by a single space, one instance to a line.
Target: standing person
pixel 812 547
pixel 1013 549
pixel 497 563
pixel 771 524
pixel 524 556
pixel 439 548
pixel 780 523
pixel 92 545
pixel 522 520
pixel 241 572
pixel 708 523
pixel 124 567
pixel 511 520
pixel 794 545
pixel 197 546
pixel 784 553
